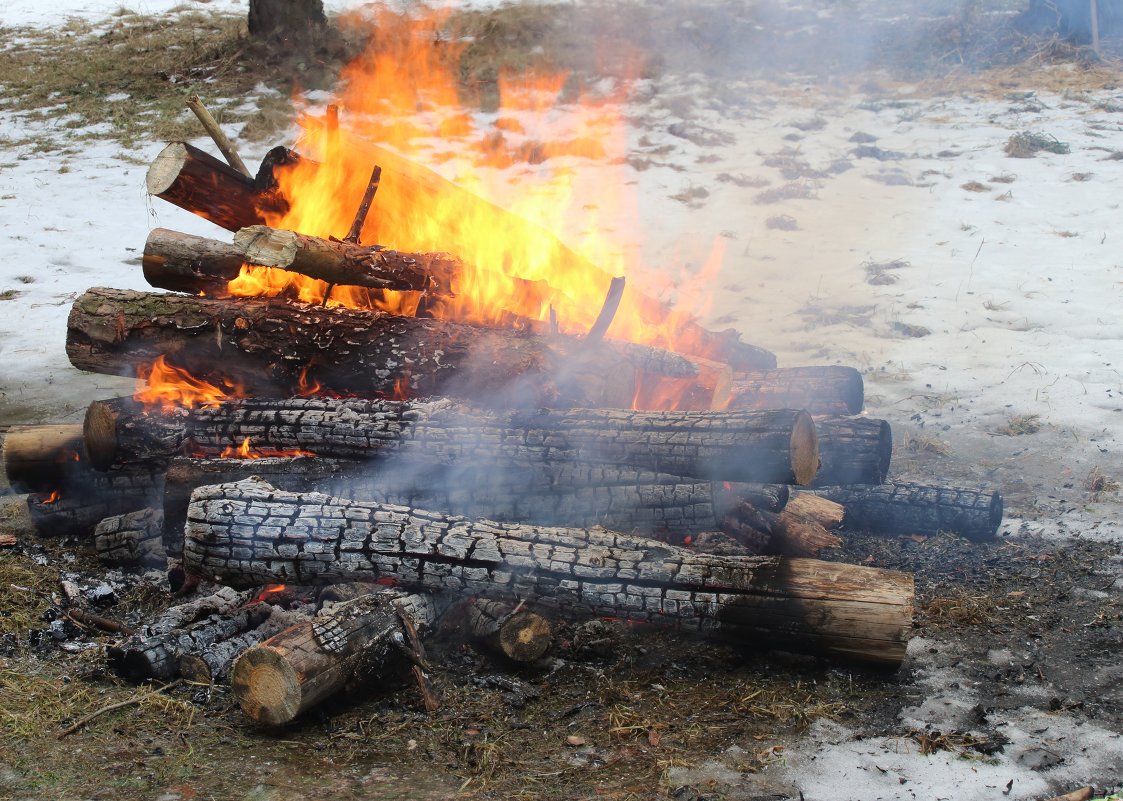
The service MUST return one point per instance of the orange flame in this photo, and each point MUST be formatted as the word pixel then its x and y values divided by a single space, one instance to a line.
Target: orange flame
pixel 170 387
pixel 269 589
pixel 403 92
pixel 54 496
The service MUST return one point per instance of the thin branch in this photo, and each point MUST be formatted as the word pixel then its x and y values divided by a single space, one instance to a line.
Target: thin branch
pixel 224 144
pixel 364 206
pixel 136 699
pixel 608 310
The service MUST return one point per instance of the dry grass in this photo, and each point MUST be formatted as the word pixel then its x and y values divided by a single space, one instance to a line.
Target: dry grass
pixel 1019 425
pixel 1027 144
pixel 918 442
pixel 782 222
pixel 795 190
pixel 957 611
pixel 975 186
pixel 1098 482
pixel 880 273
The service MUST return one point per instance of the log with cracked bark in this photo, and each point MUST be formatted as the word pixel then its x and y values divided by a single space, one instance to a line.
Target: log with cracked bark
pixel 153 650
pixel 212 663
pixel 248 533
pixel 89 496
pixel 559 494
pixel 134 538
pixel 830 390
pixel 271 347
pixel 510 629
pixel 902 508
pixel 302 665
pixel 751 446
pixel 406 185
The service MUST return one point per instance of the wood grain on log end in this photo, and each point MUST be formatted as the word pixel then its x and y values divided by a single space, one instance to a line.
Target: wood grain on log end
pixel 266 685
pixel 805 449
pixel 100 434
pixel 36 457
pixel 525 637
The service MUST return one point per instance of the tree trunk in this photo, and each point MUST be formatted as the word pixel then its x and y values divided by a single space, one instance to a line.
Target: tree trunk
pixel 271 346
pixel 897 509
pixel 301 666
pixel 830 390
pixel 194 180
pixel 249 533
pixel 853 450
pixel 136 538
pixel 37 458
pixel 509 629
pixel 288 22
pixel 212 664
pixel 770 446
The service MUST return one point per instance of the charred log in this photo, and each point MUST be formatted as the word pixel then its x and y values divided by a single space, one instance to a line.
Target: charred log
pixel 853 450
pixel 135 538
pixel 90 496
pixel 510 629
pixel 194 180
pixel 212 664
pixel 774 446
pixel 833 390
pixel 301 666
pixel 269 345
pixel 917 509
pixel 38 458
pixel 248 533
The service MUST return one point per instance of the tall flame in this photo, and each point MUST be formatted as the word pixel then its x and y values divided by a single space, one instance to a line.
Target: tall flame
pixel 403 93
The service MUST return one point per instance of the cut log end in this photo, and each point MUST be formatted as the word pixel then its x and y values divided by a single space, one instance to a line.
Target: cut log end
pixel 266 685
pixel 525 637
pixel 100 434
pixel 805 449
pixel 165 169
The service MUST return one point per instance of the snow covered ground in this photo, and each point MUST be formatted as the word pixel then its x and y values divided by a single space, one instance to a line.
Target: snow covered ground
pixel 972 289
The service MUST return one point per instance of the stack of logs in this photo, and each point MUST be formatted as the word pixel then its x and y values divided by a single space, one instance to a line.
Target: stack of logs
pixel 516 478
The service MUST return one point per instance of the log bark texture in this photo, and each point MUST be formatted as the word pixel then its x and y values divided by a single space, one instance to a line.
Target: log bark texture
pixel 853 450
pixel 249 533
pixel 548 494
pixel 918 509
pixel 153 650
pixel 510 629
pixel 212 664
pixel 194 180
pixel 37 458
pixel 770 446
pixel 90 496
pixel 135 538
pixel 832 390
pixel 346 263
pixel 271 346
pixel 301 666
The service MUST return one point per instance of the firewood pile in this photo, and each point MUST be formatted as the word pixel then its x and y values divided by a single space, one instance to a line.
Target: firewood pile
pixel 394 466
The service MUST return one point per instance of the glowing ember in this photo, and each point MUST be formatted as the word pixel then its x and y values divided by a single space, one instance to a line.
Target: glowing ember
pixel 269 589
pixel 54 496
pixel 170 387
pixel 245 451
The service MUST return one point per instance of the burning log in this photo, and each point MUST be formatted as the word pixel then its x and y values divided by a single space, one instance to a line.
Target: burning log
pixel 195 264
pixel 771 446
pixel 249 533
pixel 88 497
pixel 194 180
pixel 212 664
pixel 301 666
pixel 832 390
pixel 853 450
pixel 37 458
pixel 269 345
pixel 135 538
pixel 347 263
pixel 510 629
pixel 151 651
pixel 917 509
pixel 410 185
